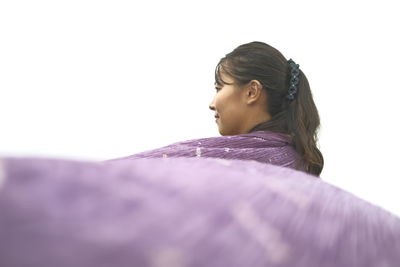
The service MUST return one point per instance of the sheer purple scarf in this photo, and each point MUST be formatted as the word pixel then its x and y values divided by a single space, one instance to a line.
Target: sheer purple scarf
pixel 185 212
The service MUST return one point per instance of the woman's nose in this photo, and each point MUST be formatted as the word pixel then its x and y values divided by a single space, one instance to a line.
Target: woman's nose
pixel 211 105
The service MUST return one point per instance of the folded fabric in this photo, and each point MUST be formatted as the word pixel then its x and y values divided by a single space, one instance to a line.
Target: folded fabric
pixel 185 212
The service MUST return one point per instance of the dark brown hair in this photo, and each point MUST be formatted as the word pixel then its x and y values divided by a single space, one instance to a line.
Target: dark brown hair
pixel 298 118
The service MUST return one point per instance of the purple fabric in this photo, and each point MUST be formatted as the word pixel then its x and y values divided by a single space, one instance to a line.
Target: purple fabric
pixel 262 146
pixel 185 212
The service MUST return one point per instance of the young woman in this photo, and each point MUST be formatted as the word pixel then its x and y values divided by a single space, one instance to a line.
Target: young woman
pixel 259 90
pixel 264 111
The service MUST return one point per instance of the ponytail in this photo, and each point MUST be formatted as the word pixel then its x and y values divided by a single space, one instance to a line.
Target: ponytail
pixel 303 123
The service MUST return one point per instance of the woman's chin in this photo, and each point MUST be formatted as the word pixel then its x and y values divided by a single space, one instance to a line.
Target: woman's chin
pixel 223 132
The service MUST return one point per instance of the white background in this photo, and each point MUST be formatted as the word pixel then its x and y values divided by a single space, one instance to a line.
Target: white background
pixel 104 79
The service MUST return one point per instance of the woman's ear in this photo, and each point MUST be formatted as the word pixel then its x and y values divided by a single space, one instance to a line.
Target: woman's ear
pixel 253 92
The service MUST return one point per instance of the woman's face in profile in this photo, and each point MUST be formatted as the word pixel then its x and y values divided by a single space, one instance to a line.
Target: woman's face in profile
pixel 229 108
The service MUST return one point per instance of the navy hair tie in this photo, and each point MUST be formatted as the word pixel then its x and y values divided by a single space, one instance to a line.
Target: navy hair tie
pixel 294 79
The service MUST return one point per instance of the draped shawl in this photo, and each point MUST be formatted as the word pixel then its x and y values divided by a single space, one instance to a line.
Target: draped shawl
pixel 221 201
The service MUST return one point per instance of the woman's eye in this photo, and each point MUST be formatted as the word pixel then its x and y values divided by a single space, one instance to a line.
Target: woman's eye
pixel 216 88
